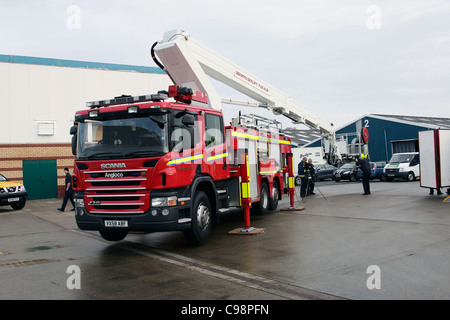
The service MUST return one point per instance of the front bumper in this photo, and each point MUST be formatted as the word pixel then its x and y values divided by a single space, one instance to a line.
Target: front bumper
pixel 7 199
pixel 391 174
pixel 176 218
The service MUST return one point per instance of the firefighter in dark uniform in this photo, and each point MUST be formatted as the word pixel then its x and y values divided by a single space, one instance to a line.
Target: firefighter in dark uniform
pixel 364 165
pixel 303 174
pixel 311 178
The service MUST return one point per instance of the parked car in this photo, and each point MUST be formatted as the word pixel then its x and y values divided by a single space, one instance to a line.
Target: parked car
pixel 348 171
pixel 12 193
pixel 324 171
pixel 377 171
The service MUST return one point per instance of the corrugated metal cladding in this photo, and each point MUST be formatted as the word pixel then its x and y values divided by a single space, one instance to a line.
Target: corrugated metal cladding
pixel 391 133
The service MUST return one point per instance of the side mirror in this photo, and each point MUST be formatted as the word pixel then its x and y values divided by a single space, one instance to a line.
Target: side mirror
pixel 188 120
pixel 74 144
pixel 73 130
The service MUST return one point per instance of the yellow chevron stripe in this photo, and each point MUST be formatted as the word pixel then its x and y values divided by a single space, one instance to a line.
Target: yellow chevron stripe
pixel 217 156
pixel 184 159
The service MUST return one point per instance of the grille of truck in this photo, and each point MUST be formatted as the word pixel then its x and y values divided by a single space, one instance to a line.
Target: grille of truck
pixel 116 191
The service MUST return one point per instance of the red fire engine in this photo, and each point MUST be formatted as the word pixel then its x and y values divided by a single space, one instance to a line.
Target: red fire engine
pixel 149 164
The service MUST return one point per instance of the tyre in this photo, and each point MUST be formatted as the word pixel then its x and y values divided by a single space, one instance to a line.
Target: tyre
pixel 201 219
pixel 116 235
pixel 18 206
pixel 273 203
pixel 411 176
pixel 262 206
pixel 352 178
pixel 298 181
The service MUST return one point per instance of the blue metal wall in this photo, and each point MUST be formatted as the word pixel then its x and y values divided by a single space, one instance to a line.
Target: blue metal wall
pixel 381 133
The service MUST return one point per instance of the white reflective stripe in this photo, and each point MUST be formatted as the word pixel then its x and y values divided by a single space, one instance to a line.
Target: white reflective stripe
pixel 115 189
pixel 115 179
pixel 117 204
pixel 115 170
pixel 116 212
pixel 113 195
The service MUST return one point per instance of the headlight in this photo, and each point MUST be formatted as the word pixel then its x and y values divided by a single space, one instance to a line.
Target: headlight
pixel 346 172
pixel 79 203
pixel 21 188
pixel 164 202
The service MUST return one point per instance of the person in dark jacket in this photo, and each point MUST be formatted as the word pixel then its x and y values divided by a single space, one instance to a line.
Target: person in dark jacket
pixel 68 191
pixel 311 177
pixel 303 174
pixel 364 165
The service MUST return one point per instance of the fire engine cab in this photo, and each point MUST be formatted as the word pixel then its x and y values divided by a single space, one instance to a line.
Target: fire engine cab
pixel 167 161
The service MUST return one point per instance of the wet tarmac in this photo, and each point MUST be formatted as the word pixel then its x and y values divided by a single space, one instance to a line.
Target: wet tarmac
pixel 392 244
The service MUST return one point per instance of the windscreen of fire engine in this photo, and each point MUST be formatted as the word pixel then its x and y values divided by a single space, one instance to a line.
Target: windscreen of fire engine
pixel 123 138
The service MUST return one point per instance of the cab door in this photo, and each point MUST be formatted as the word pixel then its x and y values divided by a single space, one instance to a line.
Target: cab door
pixel 216 156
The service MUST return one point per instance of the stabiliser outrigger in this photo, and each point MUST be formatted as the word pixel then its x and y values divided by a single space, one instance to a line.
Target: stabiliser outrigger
pixel 147 164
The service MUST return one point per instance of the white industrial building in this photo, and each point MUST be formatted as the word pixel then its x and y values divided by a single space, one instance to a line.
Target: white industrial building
pixel 39 98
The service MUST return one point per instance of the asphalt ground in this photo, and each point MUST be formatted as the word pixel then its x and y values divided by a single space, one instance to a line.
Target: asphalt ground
pixel 391 245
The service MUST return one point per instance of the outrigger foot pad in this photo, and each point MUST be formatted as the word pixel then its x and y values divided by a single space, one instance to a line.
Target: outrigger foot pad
pixel 293 209
pixel 247 231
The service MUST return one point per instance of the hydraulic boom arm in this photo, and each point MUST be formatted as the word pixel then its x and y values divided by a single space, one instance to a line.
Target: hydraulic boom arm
pixel 189 63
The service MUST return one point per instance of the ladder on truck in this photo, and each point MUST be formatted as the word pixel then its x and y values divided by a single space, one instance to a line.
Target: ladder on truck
pixel 189 63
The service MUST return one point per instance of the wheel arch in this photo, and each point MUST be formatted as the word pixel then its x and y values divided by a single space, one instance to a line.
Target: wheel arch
pixel 206 184
pixel 277 180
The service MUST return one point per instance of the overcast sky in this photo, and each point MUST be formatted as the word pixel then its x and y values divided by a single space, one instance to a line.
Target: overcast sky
pixel 340 59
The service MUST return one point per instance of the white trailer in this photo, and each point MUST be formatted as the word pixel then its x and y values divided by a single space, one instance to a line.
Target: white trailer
pixel 434 148
pixel 315 153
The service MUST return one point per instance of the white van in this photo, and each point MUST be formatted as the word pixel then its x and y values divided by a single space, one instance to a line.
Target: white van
pixel 403 165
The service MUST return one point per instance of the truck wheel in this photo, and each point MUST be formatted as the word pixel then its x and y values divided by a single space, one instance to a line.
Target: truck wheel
pixel 411 176
pixel 113 235
pixel 273 203
pixel 262 206
pixel 201 219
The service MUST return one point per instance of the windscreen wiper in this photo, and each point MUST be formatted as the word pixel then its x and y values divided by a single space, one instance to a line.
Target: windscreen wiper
pixel 149 153
pixel 105 155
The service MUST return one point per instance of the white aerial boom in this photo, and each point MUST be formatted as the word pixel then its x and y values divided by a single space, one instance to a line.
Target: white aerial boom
pixel 189 63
